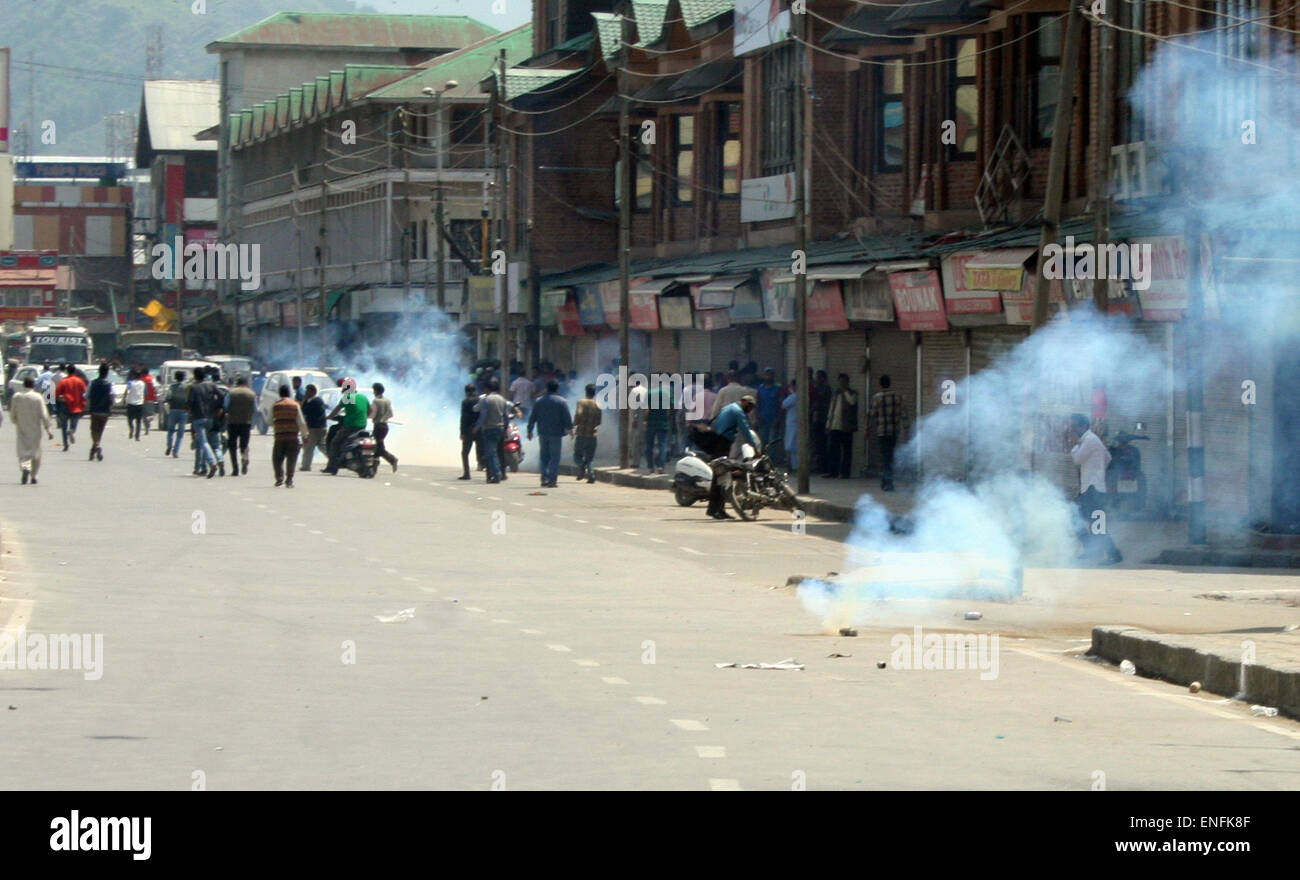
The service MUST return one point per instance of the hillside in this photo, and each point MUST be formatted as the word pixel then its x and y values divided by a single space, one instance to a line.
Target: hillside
pixel 88 57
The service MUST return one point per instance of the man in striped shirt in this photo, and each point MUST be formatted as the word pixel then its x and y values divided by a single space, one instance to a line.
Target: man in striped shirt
pixel 290 426
pixel 887 417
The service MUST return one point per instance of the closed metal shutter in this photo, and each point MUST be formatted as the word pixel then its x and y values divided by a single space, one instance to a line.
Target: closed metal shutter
pixel 988 344
pixel 943 359
pixel 1227 425
pixel 585 359
pixel 766 346
pixel 816 353
pixel 693 351
pixel 893 354
pixel 1146 403
pixel 725 347
pixel 559 351
pixel 663 352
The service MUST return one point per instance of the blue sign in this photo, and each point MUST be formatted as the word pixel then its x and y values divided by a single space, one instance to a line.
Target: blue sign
pixel 69 170
pixel 590 309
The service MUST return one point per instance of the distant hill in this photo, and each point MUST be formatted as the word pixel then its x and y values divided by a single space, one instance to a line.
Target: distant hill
pixel 88 57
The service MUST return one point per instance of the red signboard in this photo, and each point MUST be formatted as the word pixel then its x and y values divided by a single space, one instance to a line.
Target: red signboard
pixel 568 319
pixel 644 311
pixel 960 299
pixel 174 194
pixel 1166 298
pixel 918 300
pixel 826 308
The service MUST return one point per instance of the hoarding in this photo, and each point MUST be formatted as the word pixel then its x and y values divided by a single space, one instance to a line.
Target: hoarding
pixel 759 24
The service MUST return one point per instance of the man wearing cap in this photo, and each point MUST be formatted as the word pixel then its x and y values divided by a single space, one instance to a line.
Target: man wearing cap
pixel 732 425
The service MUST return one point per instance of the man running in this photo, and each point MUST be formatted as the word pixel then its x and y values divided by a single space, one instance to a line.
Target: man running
pixel 101 407
pixel 239 405
pixel 71 395
pixel 381 411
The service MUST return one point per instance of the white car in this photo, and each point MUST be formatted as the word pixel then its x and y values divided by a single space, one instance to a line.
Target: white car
pixel 165 375
pixel 271 390
pixel 16 383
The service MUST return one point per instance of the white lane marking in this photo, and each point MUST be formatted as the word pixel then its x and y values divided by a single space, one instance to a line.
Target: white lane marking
pixel 689 550
pixel 724 785
pixel 316 532
pixel 518 504
pixel 532 632
pixel 563 649
pixel 613 679
pixel 1138 684
pixel 586 662
pixel 407 577
pixel 540 509
pixel 391 570
pixel 475 610
pixel 429 589
pixel 711 751
pixel 633 534
pixel 20 616
pixel 651 701
pixel 501 620
pixel 332 540
pixel 373 559
pixel 300 525
pixel 261 507
pixel 610 528
pixel 658 540
pixel 493 498
pixel 689 724
pixel 583 521
pixel 559 516
pixel 352 549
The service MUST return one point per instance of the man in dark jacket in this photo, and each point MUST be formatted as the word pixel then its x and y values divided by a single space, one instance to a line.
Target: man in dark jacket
pixel 314 412
pixel 240 403
pixel 841 425
pixel 467 436
pixel 100 405
pixel 202 406
pixel 551 418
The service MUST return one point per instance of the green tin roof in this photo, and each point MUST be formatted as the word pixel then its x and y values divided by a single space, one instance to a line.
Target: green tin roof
pixel 360 30
pixel 649 15
pixel 608 27
pixel 698 12
pixel 469 67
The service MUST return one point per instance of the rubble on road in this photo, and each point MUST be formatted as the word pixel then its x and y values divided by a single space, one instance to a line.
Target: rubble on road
pixel 787 663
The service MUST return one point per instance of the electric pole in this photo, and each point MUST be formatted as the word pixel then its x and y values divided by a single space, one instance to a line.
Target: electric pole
pixel 441 255
pixel 502 205
pixel 624 231
pixel 803 387
pixel 1105 135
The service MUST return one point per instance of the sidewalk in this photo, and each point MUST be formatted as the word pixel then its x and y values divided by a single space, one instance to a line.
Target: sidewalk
pixel 1214 660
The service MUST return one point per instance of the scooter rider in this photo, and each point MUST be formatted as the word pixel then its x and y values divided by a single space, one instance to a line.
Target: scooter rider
pixel 352 413
pixel 732 424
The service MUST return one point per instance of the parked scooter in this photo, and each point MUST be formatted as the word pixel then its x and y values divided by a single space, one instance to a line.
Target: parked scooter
pixel 1125 481
pixel 748 484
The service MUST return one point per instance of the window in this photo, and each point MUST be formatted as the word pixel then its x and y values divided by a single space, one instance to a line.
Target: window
pixel 1045 76
pixel 417 236
pixel 684 159
pixel 890 103
pixel 778 111
pixel 728 131
pixel 965 98
pixel 201 176
pixel 553 37
pixel 1238 88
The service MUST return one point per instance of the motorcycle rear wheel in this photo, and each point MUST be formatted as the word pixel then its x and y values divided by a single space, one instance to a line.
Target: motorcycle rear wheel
pixel 737 498
pixel 685 497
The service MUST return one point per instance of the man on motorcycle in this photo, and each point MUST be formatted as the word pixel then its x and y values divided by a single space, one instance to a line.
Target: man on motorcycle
pixel 352 412
pixel 732 425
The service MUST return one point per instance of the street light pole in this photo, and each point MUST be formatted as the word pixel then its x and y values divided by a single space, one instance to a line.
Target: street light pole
pixel 803 387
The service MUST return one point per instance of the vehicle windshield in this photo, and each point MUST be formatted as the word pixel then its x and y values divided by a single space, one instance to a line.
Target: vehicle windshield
pixel 59 353
pixel 151 357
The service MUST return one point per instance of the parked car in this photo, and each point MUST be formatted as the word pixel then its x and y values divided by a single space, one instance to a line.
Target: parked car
pixel 271 390
pixel 16 383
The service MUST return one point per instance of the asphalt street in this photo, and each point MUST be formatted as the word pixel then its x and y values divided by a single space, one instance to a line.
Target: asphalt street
pixel 561 639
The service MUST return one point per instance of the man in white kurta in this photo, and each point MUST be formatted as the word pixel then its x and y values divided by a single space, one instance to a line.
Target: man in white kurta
pixel 30 416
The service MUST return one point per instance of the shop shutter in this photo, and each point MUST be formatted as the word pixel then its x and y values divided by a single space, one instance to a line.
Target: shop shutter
pixel 767 347
pixel 1226 424
pixel 727 346
pixel 585 359
pixel 693 351
pixel 893 354
pixel 989 344
pixel 816 353
pixel 943 358
pixel 663 352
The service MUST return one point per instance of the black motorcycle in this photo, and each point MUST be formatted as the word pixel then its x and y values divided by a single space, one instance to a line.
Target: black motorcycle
pixel 359 455
pixel 755 482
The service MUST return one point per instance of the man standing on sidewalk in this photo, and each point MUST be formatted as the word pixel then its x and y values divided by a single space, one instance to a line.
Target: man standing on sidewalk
pixel 286 415
pixel 841 424
pixel 585 422
pixel 551 418
pixel 790 405
pixel 71 394
pixel 101 406
pixel 659 416
pixel 887 417
pixel 468 415
pixel 490 427
pixel 240 403
pixel 769 407
pixel 30 415
pixel 313 412
pixel 1090 454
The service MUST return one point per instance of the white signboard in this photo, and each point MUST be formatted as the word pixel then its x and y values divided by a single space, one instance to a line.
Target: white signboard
pixel 767 198
pixel 758 24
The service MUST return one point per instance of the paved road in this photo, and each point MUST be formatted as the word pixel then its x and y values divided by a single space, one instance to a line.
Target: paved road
pixel 560 640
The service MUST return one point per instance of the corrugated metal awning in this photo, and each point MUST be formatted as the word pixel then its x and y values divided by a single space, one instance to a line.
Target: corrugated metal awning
pixel 726 284
pixel 1003 258
pixel 656 286
pixel 839 272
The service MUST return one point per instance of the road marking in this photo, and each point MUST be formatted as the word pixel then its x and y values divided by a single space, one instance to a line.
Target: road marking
pixel 610 528
pixel 332 540
pixel 532 632
pixel 658 540
pixel 558 515
pixel 261 507
pixel 586 662
pixel 613 679
pixel 688 724
pixel 689 550
pixel 475 610
pixel 564 649
pixel 409 578
pixel 651 701
pixel 373 559
pixel 352 549
pixel 501 620
pixel 317 532
pixel 541 510
pixel 583 521
pixel 518 504
pixel 21 615
pixel 711 751
pixel 1138 684
pixel 493 498
pixel 391 570
pixel 633 534
pixel 429 589
pixel 724 785
pixel 300 525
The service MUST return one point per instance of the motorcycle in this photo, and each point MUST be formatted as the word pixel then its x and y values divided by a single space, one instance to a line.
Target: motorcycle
pixel 1125 481
pixel 755 482
pixel 514 445
pixel 359 455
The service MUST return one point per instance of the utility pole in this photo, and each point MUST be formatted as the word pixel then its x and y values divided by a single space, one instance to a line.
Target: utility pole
pixel 624 231
pixel 1056 160
pixel 503 202
pixel 1105 135
pixel 407 237
pixel 320 251
pixel 803 387
pixel 438 216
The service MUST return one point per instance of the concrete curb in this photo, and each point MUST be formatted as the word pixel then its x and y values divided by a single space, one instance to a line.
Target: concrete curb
pixel 1180 660
pixel 818 507
pixel 1224 557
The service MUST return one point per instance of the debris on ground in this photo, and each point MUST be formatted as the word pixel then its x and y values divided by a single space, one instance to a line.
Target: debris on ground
pixel 973 615
pixel 400 617
pixel 848 631
pixel 1056 718
pixel 880 664
pixel 787 663
pixel 1127 667
pixel 832 656
pixel 1194 687
pixel 795 580
pixel 1266 711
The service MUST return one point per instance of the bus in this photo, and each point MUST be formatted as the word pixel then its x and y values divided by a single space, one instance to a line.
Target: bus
pixel 148 348
pixel 59 341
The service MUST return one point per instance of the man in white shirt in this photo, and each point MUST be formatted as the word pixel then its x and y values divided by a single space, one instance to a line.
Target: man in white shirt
pixel 523 391
pixel 1090 454
pixel 731 393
